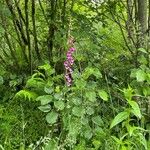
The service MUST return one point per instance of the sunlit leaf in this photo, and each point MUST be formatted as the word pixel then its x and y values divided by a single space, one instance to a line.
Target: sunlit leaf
pixel 59 105
pixel 103 95
pixel 45 99
pixel 119 118
pixel 136 110
pixel 45 108
pixel 140 75
pixel 51 117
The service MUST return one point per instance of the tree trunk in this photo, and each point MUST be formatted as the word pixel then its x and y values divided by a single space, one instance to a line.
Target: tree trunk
pixel 143 21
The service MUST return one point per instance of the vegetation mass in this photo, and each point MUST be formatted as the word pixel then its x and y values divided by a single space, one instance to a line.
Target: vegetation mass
pixel 75 75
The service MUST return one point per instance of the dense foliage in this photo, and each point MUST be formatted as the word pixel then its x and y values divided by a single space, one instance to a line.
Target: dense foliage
pixel 74 75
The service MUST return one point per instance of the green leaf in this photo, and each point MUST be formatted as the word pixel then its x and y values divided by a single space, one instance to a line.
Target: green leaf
pixel 26 94
pixel 48 69
pixel 118 141
pixel 98 120
pixel 77 100
pixel 78 111
pixel 128 93
pixel 45 99
pixel 58 96
pixel 142 50
pixel 1 80
pixel 97 73
pixel 146 90
pixel 91 96
pixel 59 105
pixel 142 140
pixel 80 83
pixel 51 117
pixel 45 108
pixel 136 110
pixel 89 110
pixel 88 133
pixel 140 75
pixel 96 144
pixel 48 90
pixel 52 145
pixel 103 95
pixel 91 71
pixel 119 118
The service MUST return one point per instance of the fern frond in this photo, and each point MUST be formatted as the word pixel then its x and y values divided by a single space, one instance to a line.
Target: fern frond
pixel 26 94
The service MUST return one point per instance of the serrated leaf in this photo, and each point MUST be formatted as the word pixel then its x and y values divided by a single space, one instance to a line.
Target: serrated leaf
pixel 88 133
pixel 78 111
pixel 59 105
pixel 51 117
pixel 77 100
pixel 98 120
pixel 136 110
pixel 119 118
pixel 26 94
pixel 45 99
pixel 45 108
pixel 103 95
pixel 89 110
pixel 91 96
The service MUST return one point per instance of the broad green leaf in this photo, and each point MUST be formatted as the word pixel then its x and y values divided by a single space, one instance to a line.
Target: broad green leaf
pixel 98 120
pixel 103 95
pixel 140 75
pixel 78 111
pixel 136 110
pixel 85 121
pixel 51 117
pixel 119 118
pixel 91 96
pixel 77 100
pixel 45 99
pixel 45 108
pixel 89 110
pixel 59 105
pixel 48 90
pixel 88 133
pixel 58 96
